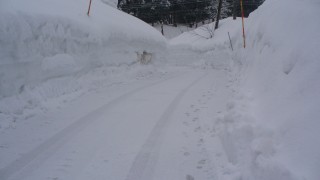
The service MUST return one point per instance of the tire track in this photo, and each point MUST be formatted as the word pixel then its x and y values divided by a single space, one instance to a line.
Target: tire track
pixel 33 159
pixel 143 165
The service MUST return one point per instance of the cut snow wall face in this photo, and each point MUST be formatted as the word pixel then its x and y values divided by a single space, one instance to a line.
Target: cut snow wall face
pixel 28 42
pixel 37 35
pixel 38 48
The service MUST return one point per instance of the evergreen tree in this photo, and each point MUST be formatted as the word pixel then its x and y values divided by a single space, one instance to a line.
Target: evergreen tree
pixel 189 12
pixel 226 9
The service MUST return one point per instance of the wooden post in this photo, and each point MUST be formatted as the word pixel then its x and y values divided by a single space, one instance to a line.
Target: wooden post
pixel 244 36
pixel 218 15
pixel 230 41
pixel 88 13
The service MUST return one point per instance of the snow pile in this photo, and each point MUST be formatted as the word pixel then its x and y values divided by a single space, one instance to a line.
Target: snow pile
pixel 271 128
pixel 47 46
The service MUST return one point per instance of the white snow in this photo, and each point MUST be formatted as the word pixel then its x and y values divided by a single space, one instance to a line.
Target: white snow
pixel 33 31
pixel 170 31
pixel 272 125
pixel 282 76
pixel 42 40
pixel 75 104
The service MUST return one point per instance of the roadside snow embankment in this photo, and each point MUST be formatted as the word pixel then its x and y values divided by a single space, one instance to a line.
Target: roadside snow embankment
pixel 281 72
pixel 50 44
pixel 271 128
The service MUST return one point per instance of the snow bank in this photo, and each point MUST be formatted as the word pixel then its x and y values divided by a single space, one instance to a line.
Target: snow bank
pixel 47 46
pixel 271 128
pixel 281 65
pixel 32 33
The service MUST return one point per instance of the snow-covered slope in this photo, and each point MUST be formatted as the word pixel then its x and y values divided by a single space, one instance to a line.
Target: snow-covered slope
pixel 170 31
pixel 200 39
pixel 271 129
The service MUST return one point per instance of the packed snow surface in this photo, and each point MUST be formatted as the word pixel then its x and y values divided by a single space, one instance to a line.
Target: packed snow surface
pixel 76 104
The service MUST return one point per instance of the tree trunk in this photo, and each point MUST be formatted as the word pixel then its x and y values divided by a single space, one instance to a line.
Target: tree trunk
pixel 234 10
pixel 175 19
pixel 162 28
pixel 218 15
pixel 118 5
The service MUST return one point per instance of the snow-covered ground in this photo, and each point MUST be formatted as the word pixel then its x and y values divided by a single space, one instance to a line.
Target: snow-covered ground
pixel 76 104
pixel 170 31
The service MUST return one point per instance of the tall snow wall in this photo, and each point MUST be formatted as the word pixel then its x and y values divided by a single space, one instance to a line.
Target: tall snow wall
pixel 280 71
pixel 44 39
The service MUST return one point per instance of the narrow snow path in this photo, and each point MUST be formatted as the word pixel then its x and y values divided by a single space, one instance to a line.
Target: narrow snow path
pixel 159 130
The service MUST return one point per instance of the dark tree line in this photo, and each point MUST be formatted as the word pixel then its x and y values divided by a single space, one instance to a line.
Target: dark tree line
pixel 189 12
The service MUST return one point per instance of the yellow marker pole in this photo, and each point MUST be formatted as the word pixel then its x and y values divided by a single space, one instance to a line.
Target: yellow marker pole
pixel 244 36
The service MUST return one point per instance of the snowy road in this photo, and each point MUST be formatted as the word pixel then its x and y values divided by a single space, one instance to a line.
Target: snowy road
pixel 76 104
pixel 153 130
